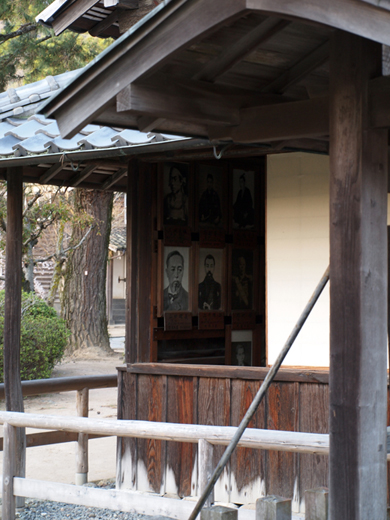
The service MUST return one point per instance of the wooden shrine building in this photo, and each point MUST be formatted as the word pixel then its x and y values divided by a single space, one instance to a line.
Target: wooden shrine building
pixel 248 78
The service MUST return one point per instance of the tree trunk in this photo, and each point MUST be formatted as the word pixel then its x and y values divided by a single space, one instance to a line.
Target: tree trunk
pixel 83 302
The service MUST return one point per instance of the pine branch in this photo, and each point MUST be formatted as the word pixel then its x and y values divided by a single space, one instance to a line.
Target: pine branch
pixel 23 29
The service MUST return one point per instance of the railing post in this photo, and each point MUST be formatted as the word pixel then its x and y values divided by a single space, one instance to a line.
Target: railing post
pixel 82 399
pixel 9 470
pixel 205 462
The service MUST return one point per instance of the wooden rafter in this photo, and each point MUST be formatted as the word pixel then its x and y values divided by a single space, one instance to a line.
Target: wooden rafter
pixel 104 24
pixel 114 178
pixel 301 69
pixel 240 49
pixel 80 177
pixel 51 173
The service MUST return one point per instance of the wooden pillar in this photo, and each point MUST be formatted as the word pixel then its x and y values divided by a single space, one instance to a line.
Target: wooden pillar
pixel 358 274
pixel 131 339
pixel 12 314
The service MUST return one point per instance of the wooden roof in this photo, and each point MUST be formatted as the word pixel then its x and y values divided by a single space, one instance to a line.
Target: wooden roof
pixel 248 71
pixel 103 18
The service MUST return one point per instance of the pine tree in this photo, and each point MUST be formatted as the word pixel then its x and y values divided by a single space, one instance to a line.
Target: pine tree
pixel 30 52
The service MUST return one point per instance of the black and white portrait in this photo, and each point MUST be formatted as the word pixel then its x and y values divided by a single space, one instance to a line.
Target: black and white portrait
pixel 242 353
pixel 210 196
pixel 210 274
pixel 242 279
pixel 176 279
pixel 176 194
pixel 243 199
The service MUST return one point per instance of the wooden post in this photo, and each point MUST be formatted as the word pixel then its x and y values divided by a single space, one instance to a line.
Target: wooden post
pixel 82 442
pixel 206 468
pixel 12 314
pixel 9 471
pixel 273 507
pixel 131 338
pixel 358 288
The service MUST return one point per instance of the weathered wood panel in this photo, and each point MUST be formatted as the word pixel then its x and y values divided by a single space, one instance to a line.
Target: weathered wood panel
pixel 314 418
pixel 282 414
pixel 180 477
pixel 151 406
pixel 214 408
pixel 248 467
pixel 127 455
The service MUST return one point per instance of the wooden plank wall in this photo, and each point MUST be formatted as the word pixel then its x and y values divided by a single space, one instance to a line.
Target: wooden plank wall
pixel 171 468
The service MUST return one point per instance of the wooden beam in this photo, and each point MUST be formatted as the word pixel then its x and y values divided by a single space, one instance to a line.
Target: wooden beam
pixel 104 24
pixel 114 178
pixel 70 15
pixel 175 103
pixel 283 121
pixel 241 48
pixel 298 119
pixel 51 172
pixel 131 334
pixel 148 124
pixel 85 100
pixel 358 289
pixel 356 17
pixel 80 177
pixel 299 70
pixel 150 46
pixel 13 306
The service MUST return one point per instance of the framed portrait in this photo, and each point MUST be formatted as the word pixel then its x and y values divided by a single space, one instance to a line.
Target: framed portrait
pixel 241 347
pixel 242 279
pixel 243 199
pixel 176 194
pixel 176 278
pixel 210 206
pixel 210 276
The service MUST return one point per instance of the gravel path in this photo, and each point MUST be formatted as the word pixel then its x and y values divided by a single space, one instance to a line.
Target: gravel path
pixel 45 510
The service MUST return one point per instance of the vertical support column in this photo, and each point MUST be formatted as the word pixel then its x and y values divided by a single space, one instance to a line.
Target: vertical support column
pixel 9 471
pixel 82 400
pixel 358 274
pixel 206 469
pixel 12 314
pixel 131 339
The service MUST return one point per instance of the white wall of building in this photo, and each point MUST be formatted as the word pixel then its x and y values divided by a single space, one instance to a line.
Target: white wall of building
pixel 297 255
pixel 119 271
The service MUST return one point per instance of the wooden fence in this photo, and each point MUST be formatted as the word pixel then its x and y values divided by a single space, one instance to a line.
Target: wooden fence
pixel 82 386
pixel 204 435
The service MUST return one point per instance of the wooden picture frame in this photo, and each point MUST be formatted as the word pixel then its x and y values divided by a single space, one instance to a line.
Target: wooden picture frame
pixel 242 348
pixel 175 273
pixel 242 280
pixel 175 204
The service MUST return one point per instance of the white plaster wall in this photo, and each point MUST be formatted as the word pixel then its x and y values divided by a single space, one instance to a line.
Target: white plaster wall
pixel 119 270
pixel 297 255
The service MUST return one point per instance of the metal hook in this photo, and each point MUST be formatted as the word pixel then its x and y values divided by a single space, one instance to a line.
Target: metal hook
pixel 219 155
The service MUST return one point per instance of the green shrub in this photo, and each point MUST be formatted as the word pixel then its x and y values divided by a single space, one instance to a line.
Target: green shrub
pixel 43 338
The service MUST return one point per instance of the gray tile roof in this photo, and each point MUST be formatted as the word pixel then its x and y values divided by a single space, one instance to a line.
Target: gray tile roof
pixel 32 140
pixel 118 239
pixel 38 135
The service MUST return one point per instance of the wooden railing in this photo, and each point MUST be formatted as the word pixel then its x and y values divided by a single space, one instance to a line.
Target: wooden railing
pixel 206 437
pixel 81 385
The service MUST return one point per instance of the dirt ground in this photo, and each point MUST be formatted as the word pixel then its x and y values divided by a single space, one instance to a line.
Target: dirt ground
pixel 57 462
